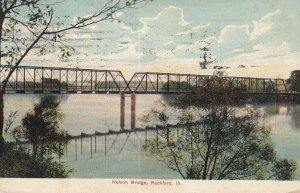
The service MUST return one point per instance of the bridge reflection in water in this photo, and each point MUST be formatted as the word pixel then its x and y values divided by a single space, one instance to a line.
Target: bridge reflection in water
pixel 87 145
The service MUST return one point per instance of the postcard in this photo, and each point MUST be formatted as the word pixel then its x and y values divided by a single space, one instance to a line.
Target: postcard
pixel 149 96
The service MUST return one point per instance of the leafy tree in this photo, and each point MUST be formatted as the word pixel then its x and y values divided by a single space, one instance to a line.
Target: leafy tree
pixel 16 162
pixel 41 128
pixel 294 81
pixel 27 25
pixel 220 138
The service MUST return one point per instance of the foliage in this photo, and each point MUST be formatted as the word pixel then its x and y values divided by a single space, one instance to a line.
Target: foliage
pixel 220 139
pixel 16 162
pixel 294 84
pixel 294 81
pixel 214 91
pixel 41 128
pixel 283 168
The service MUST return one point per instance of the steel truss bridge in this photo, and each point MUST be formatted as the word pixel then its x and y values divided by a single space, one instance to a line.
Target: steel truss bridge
pixel 30 80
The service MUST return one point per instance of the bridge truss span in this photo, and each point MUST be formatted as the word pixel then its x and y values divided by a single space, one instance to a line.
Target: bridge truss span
pixel 31 79
pixel 171 83
pixel 28 79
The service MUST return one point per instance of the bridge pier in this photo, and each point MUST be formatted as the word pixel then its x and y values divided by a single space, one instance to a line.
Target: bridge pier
pixel 122 111
pixel 105 145
pixel 133 107
pixel 81 143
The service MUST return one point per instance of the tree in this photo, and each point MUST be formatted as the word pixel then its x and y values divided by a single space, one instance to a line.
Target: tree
pixel 16 162
pixel 206 57
pixel 218 138
pixel 294 81
pixel 27 25
pixel 41 128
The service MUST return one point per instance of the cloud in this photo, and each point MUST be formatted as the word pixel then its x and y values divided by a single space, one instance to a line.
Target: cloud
pixel 270 38
pixel 262 52
pixel 233 32
pixel 168 34
pixel 264 25
pixel 169 16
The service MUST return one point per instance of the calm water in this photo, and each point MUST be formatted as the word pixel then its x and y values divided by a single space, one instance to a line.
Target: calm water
pixel 125 159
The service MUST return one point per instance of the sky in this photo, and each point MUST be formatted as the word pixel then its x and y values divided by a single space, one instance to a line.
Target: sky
pixel 257 38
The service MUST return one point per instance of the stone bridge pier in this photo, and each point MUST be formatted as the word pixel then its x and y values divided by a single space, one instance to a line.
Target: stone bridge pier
pixel 132 112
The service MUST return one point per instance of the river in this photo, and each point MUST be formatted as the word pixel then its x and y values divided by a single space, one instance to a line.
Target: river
pixel 90 113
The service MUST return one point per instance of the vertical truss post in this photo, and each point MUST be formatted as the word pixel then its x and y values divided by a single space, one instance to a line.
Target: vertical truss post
pixel 91 80
pixel 81 81
pixel 96 79
pixel 106 81
pixel 146 81
pixel 17 74
pixel 179 82
pixel 157 83
pixel 76 77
